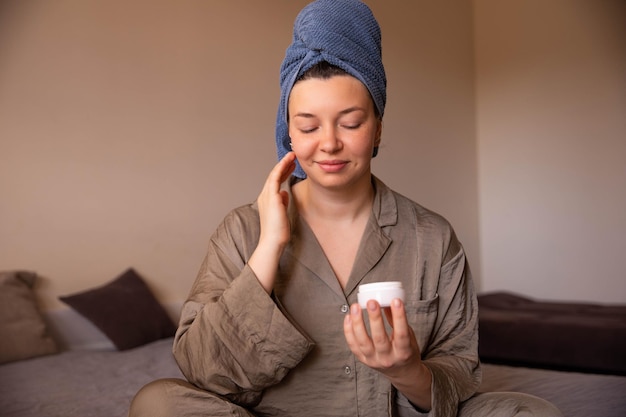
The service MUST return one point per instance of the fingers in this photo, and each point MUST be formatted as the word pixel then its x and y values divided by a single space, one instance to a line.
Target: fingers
pixel 378 349
pixel 369 349
pixel 281 171
pixel 290 159
pixel 356 333
pixel 404 341
pixel 380 340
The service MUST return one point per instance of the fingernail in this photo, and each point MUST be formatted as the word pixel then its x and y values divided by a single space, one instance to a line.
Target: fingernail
pixel 355 309
pixel 371 305
pixel 396 302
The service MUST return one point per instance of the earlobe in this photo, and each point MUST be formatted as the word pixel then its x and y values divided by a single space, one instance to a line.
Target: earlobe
pixel 377 141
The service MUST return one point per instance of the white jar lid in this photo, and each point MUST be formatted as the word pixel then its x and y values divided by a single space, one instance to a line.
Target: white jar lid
pixel 380 286
pixel 383 292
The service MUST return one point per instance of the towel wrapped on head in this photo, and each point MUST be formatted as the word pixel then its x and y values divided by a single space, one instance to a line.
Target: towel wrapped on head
pixel 343 33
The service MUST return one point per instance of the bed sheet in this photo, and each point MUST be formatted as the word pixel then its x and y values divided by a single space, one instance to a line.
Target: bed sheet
pixel 83 383
pixel 575 394
pixel 87 383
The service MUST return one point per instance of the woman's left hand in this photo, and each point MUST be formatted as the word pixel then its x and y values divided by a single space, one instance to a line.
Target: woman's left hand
pixel 385 353
pixel 396 355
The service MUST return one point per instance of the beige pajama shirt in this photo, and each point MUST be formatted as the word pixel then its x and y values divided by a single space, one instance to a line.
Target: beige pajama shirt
pixel 284 354
pixel 248 353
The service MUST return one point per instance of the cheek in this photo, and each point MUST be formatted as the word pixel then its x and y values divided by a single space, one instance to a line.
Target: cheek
pixel 364 144
pixel 302 148
pixel 295 135
pixel 299 143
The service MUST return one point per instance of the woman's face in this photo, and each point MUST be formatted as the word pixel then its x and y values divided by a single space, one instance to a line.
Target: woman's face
pixel 333 129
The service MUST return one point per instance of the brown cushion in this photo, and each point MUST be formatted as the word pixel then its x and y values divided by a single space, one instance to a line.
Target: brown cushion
pixel 588 337
pixel 125 310
pixel 23 332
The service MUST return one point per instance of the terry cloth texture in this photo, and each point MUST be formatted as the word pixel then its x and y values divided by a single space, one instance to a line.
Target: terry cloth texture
pixel 343 33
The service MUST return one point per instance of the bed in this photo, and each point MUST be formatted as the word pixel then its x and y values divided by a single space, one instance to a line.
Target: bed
pixel 572 354
pixel 90 376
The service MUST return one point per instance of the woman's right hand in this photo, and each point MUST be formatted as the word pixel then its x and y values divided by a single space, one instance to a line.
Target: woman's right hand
pixel 275 229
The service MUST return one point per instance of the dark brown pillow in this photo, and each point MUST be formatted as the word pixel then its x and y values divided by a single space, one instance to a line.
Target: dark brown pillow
pixel 125 310
pixel 23 332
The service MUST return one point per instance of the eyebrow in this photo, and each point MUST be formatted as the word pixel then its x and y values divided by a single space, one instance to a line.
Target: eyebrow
pixel 342 112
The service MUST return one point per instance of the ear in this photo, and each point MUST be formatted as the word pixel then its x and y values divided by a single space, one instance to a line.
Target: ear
pixel 379 132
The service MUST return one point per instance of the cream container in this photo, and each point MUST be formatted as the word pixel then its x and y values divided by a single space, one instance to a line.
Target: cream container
pixel 383 292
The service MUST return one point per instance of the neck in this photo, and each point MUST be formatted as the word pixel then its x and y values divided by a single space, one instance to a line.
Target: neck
pixel 334 205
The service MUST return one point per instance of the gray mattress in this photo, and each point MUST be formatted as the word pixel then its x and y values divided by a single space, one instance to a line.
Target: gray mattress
pixel 575 394
pixel 82 383
pixel 88 383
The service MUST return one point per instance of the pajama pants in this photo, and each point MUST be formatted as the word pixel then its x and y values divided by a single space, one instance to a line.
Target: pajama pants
pixel 178 398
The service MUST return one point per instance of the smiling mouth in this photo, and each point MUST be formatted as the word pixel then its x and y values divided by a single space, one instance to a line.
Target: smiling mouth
pixel 332 166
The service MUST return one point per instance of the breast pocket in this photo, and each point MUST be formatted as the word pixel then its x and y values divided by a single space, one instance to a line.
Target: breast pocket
pixel 422 315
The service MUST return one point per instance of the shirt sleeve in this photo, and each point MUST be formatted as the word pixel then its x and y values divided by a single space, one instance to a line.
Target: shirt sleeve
pixel 452 357
pixel 232 338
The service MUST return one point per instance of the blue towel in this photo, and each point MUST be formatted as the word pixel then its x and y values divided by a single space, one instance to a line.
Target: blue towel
pixel 343 33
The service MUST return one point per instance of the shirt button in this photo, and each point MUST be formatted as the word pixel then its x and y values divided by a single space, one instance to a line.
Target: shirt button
pixel 347 370
pixel 345 308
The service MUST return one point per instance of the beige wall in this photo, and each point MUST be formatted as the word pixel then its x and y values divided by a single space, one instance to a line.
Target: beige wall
pixel 551 123
pixel 129 128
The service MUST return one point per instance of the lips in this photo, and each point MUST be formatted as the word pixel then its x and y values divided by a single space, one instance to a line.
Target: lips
pixel 332 166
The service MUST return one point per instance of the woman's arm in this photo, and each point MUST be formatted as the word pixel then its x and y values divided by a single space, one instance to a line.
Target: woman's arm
pixel 452 356
pixel 232 337
pixel 275 229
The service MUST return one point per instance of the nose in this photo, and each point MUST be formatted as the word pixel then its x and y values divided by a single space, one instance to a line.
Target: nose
pixel 329 141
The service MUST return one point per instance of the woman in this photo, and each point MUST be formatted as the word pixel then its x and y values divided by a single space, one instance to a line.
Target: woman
pixel 271 326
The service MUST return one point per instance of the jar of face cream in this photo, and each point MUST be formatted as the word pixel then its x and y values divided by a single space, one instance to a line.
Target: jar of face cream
pixel 383 292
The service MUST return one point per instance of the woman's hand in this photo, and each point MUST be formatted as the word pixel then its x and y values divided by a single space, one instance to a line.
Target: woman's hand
pixel 272 203
pixel 397 355
pixel 275 228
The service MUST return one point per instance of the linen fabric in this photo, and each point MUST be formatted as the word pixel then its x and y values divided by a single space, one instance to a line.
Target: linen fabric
pixel 286 354
pixel 343 33
pixel 175 397
pixel 23 331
